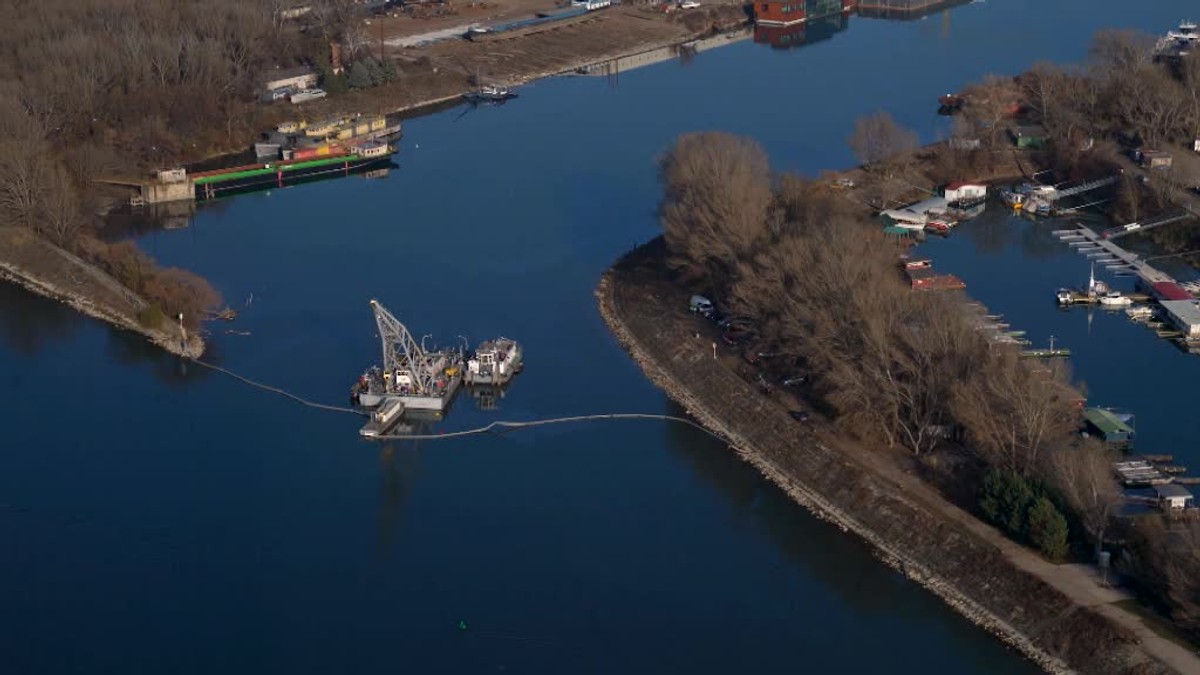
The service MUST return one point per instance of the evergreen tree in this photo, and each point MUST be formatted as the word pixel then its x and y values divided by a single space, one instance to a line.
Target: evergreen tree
pixel 387 70
pixel 1005 499
pixel 1048 529
pixel 360 75
pixel 375 71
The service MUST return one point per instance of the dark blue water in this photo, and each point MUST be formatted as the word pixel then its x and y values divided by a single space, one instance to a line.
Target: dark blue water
pixel 161 519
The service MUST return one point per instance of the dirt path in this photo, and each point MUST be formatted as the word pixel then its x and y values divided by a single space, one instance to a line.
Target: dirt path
pixel 1057 615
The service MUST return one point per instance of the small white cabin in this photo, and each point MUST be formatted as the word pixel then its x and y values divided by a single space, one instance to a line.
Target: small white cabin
pixel 1171 497
pixel 968 191
pixel 295 78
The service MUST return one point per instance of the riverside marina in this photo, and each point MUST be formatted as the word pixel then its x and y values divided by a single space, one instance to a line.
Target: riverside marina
pixel 238 532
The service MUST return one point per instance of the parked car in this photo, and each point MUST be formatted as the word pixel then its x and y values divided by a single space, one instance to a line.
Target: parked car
pixel 794 380
pixel 737 322
pixel 798 415
pixel 843 183
pixel 734 338
pixel 701 305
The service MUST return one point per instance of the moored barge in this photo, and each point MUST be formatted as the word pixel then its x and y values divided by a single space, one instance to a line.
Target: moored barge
pixel 336 160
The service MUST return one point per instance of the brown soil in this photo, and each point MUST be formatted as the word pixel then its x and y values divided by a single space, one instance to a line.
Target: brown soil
pixel 1056 615
pixel 43 268
pixel 443 71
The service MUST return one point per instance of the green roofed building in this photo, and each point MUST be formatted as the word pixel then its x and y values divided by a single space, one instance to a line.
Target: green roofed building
pixel 1106 425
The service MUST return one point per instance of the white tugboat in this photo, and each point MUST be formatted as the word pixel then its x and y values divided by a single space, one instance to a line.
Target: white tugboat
pixel 495 362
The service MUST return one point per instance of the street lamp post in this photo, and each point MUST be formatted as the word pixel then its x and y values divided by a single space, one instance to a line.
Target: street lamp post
pixel 183 334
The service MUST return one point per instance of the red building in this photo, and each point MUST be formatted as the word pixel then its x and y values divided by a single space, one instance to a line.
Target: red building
pixel 779 13
pixel 790 12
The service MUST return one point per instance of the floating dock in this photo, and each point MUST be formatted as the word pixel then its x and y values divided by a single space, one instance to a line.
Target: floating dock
pixel 389 413
pixel 1140 473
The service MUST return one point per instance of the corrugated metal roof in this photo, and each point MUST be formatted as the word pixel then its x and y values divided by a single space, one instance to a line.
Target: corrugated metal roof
pixel 1106 422
pixel 1186 311
pixel 1172 490
pixel 1168 290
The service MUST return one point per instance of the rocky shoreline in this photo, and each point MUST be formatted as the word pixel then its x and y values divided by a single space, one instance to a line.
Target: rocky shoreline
pixel 93 292
pixel 907 530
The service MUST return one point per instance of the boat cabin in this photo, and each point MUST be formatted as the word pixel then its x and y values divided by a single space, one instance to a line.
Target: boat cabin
pixel 372 149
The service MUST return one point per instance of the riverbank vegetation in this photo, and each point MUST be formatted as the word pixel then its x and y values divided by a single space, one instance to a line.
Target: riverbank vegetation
pixel 1122 99
pixel 894 368
pixel 96 87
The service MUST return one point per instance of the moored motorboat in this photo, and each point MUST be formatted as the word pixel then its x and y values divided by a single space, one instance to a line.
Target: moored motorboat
pixel 1140 313
pixel 1188 32
pixel 1115 299
pixel 490 94
pixel 939 225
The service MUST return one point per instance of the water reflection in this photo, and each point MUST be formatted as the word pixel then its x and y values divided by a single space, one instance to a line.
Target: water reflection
pixel 816 29
pixel 131 349
pixel 129 222
pixel 840 563
pixel 905 10
pixel 30 322
pixel 398 466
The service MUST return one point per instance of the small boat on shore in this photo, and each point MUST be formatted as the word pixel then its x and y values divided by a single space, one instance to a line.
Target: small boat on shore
pixel 940 226
pixel 494 362
pixel 948 104
pixel 490 94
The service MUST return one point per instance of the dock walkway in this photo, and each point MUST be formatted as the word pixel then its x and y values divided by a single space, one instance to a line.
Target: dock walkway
pixel 1094 245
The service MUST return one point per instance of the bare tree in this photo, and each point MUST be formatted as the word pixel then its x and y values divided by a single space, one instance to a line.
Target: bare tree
pixel 60 217
pixel 877 139
pixel 1013 411
pixel 716 202
pixel 1083 475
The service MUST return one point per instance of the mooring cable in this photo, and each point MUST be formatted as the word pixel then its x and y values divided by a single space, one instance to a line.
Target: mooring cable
pixel 277 390
pixel 500 425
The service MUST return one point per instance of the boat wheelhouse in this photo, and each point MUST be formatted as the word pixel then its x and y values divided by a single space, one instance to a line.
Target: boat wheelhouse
pixel 494 362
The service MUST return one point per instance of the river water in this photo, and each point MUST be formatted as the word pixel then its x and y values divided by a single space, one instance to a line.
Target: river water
pixel 161 518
